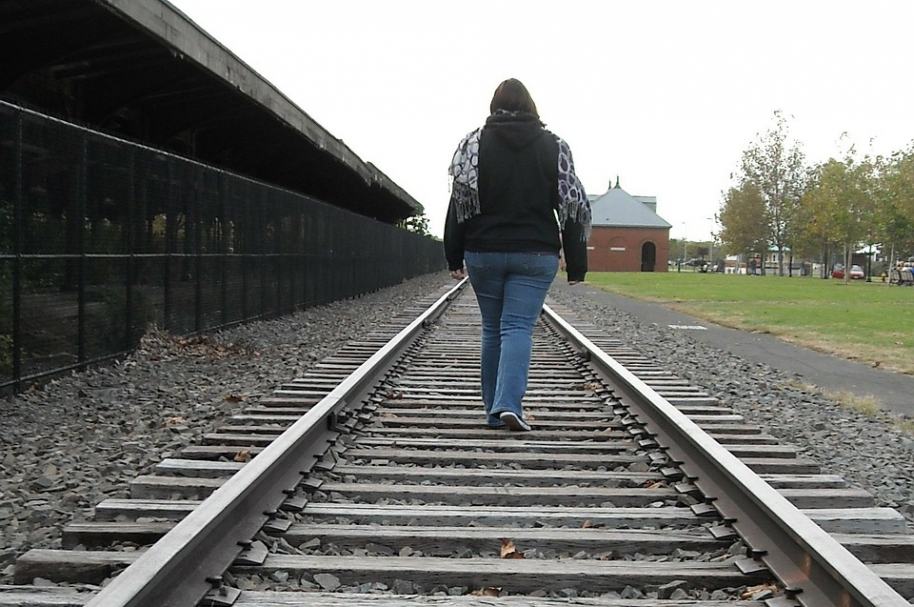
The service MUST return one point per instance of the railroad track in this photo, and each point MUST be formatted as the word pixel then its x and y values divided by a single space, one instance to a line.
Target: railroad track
pixel 373 477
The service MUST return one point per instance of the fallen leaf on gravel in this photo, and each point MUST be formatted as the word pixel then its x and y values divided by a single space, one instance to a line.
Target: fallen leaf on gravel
pixel 587 524
pixel 509 550
pixel 487 591
pixel 234 398
pixel 656 485
pixel 243 456
pixel 750 591
pixel 593 387
pixel 177 420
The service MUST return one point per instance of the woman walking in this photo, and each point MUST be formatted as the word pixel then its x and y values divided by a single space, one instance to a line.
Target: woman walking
pixel 515 202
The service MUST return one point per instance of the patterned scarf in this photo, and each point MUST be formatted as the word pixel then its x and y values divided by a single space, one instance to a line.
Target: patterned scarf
pixel 464 172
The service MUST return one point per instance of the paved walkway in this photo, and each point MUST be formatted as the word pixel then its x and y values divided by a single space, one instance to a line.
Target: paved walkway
pixel 893 391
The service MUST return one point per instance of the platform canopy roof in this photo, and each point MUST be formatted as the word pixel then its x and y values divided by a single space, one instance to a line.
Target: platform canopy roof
pixel 618 208
pixel 142 70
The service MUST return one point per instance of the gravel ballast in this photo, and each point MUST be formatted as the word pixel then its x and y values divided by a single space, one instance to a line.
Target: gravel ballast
pixel 870 451
pixel 79 439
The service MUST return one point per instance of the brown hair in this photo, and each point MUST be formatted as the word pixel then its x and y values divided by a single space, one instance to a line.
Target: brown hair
pixel 513 96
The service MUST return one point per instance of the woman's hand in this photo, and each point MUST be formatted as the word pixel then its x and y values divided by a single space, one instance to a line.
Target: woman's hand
pixel 458 274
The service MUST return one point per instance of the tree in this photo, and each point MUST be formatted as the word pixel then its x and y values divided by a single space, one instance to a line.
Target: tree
pixel 814 235
pixel 775 165
pixel 678 248
pixel 416 223
pixel 840 204
pixel 742 220
pixel 867 176
pixel 895 210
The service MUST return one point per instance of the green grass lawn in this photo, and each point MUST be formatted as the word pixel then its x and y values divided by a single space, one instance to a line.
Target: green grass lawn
pixel 865 321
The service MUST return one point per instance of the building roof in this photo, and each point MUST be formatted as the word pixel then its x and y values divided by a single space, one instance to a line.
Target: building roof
pixel 618 208
pixel 142 70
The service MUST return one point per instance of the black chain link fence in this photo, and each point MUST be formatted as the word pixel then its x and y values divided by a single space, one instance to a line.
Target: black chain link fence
pixel 100 237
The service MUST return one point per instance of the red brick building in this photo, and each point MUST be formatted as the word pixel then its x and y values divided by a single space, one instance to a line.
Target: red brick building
pixel 628 235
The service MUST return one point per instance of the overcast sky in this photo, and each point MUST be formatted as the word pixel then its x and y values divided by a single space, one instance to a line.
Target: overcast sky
pixel 663 94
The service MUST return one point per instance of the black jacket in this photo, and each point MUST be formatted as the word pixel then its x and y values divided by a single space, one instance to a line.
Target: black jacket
pixel 518 195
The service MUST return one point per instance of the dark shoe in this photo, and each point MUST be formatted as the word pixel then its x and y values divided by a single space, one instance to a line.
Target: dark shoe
pixel 496 426
pixel 513 422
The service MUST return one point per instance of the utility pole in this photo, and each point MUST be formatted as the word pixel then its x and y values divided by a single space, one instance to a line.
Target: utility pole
pixel 711 248
pixel 682 259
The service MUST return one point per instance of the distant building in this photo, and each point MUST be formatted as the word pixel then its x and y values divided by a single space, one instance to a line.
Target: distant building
pixel 754 263
pixel 628 235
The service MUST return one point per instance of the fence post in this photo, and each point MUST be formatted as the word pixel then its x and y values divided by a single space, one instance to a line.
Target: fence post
pixel 307 276
pixel 169 245
pixel 198 285
pixel 241 248
pixel 17 250
pixel 290 255
pixel 277 231
pixel 81 206
pixel 299 256
pixel 223 236
pixel 130 245
pixel 261 238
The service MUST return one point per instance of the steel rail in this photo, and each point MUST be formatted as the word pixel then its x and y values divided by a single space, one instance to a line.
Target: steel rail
pixel 179 569
pixel 814 568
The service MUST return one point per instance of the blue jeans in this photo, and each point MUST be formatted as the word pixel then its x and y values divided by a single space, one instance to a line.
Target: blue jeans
pixel 510 289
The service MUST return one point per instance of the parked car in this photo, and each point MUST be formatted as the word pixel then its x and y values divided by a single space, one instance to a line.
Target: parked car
pixel 856 272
